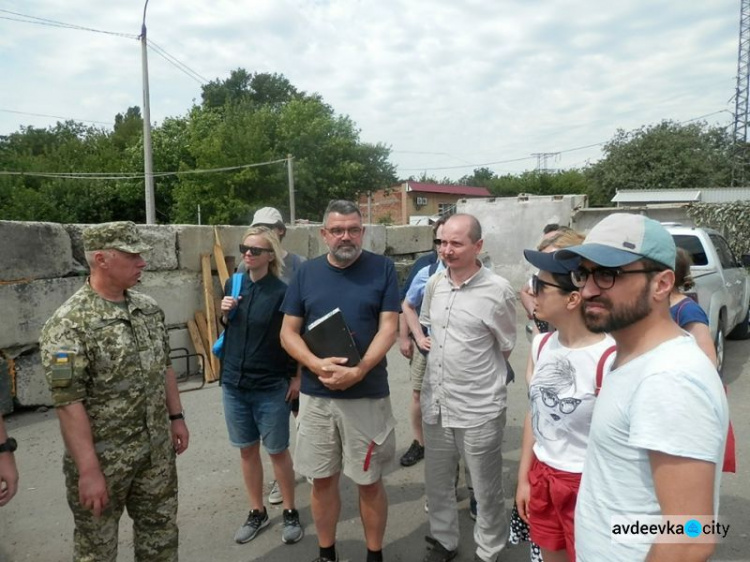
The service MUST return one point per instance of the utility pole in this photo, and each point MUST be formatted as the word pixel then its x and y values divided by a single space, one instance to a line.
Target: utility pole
pixel 742 98
pixel 290 172
pixel 148 161
pixel 542 159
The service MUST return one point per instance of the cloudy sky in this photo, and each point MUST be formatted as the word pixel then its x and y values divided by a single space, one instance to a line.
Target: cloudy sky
pixel 448 84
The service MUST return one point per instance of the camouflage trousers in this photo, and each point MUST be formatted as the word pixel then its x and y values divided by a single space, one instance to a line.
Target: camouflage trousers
pixel 148 489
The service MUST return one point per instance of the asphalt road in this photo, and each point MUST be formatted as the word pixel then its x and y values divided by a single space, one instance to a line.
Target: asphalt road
pixel 37 525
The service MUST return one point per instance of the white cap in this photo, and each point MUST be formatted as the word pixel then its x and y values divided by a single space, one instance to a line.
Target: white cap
pixel 268 216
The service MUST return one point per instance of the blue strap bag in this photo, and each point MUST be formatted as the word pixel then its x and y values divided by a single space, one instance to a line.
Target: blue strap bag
pixel 218 347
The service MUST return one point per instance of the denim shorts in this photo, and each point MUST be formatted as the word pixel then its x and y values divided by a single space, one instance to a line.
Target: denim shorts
pixel 253 415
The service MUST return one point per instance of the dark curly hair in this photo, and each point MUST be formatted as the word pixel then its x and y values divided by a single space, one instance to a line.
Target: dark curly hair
pixel 682 278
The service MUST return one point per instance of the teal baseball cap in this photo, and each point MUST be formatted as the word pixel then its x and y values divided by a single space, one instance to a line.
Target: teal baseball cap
pixel 624 238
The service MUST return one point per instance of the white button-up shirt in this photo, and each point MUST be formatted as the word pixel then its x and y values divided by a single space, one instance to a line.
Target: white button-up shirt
pixel 471 325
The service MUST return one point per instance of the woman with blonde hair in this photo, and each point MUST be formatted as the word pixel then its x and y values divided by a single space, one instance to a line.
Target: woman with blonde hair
pixel 259 380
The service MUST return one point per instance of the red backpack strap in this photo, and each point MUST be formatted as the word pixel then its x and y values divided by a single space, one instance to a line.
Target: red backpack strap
pixel 600 368
pixel 542 343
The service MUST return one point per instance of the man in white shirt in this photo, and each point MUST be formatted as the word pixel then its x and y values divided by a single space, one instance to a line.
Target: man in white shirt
pixel 659 426
pixel 472 319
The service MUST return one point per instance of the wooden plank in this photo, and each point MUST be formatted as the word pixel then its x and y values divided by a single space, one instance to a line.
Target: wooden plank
pixel 208 293
pixel 217 307
pixel 221 263
pixel 202 322
pixel 208 373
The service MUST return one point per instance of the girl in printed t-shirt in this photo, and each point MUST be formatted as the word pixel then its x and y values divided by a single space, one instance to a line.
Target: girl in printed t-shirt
pixel 562 377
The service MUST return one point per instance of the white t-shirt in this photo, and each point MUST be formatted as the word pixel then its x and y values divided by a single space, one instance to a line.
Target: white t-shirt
pixel 562 397
pixel 669 400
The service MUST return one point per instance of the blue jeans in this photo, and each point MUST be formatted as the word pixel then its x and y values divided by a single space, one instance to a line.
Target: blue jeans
pixel 253 415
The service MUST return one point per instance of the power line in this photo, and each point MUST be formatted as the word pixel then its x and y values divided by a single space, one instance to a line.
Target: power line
pixel 133 176
pixel 171 59
pixel 593 145
pixel 54 23
pixel 56 117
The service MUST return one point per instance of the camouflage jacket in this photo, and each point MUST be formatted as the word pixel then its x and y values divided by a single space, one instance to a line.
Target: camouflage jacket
pixel 113 357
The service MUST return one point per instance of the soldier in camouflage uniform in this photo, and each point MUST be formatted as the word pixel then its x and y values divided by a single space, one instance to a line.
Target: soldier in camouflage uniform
pixel 106 357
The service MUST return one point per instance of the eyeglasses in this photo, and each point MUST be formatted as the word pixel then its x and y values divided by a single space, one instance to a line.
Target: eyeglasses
pixel 353 232
pixel 254 250
pixel 565 405
pixel 537 285
pixel 604 278
pixel 437 241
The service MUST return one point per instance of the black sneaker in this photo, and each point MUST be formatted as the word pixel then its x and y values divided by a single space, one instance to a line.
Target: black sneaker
pixel 436 552
pixel 293 531
pixel 256 521
pixel 413 455
pixel 324 559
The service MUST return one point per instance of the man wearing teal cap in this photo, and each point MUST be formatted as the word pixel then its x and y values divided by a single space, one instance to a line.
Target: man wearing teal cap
pixel 660 423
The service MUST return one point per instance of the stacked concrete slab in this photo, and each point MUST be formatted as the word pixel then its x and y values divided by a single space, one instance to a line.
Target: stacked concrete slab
pixel 43 264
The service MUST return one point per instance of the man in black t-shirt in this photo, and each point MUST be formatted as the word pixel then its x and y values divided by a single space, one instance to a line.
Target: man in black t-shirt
pixel 345 420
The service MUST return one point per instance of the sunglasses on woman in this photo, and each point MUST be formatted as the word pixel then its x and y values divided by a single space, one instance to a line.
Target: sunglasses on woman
pixel 537 285
pixel 254 250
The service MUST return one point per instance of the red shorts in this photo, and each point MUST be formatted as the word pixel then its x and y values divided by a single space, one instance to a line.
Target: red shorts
pixel 552 507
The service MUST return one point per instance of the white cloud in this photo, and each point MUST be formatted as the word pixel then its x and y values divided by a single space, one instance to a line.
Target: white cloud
pixel 472 81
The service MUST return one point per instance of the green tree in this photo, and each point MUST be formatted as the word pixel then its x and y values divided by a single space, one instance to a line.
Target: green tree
pixel 667 155
pixel 245 120
pixel 241 86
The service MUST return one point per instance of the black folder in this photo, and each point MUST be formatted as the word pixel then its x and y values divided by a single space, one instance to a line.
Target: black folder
pixel 330 337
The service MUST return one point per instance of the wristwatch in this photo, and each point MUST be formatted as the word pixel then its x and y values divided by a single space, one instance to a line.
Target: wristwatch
pixel 9 446
pixel 175 417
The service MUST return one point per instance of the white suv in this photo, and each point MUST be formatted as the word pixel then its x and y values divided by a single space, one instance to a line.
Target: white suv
pixel 722 284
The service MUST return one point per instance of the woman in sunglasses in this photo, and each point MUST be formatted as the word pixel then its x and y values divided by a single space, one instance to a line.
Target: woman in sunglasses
pixel 259 380
pixel 562 377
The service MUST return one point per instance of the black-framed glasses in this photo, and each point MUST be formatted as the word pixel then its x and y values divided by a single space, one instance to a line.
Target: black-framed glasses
pixel 537 285
pixel 437 241
pixel 254 250
pixel 565 405
pixel 353 232
pixel 604 277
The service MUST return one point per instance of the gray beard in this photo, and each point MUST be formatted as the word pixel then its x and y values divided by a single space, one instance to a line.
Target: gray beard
pixel 345 254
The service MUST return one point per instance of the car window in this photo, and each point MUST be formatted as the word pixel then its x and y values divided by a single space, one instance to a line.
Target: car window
pixel 692 245
pixel 726 257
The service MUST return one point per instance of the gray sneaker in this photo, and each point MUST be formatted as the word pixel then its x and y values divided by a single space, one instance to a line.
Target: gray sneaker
pixel 256 521
pixel 293 531
pixel 274 496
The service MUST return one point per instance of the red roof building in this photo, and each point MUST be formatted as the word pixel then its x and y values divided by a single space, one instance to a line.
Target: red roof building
pixel 415 202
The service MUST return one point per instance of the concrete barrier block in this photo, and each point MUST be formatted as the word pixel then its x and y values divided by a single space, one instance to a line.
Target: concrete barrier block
pixel 297 239
pixel 34 250
pixel 27 306
pixel 31 384
pixel 408 240
pixel 192 241
pixel 179 293
pixel 375 238
pixel 163 240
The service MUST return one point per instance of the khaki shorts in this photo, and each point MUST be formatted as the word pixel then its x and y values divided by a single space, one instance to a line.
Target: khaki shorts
pixel 417 367
pixel 357 434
